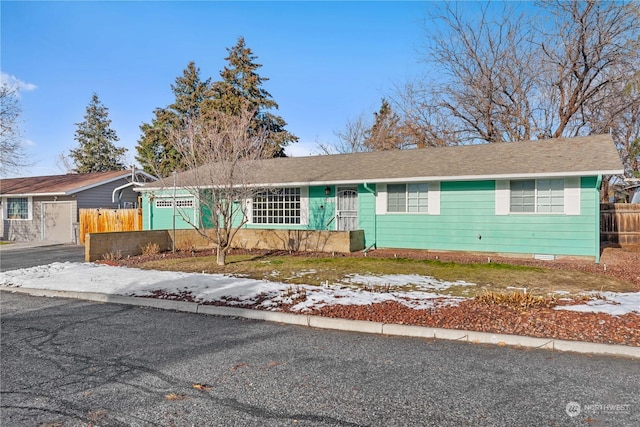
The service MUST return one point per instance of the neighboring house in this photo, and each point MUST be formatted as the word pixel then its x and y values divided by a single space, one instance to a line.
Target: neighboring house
pixel 635 198
pixel 535 197
pixel 46 207
pixel 633 193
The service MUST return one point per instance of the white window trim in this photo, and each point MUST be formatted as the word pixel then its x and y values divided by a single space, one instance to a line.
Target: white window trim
pixel 248 210
pixel 381 199
pixel 5 208
pixel 177 199
pixel 503 198
pixel 571 202
pixel 433 199
pixel 304 205
pixel 304 209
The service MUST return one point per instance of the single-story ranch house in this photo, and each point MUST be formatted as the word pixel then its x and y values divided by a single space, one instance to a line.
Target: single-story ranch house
pixel 46 207
pixel 535 198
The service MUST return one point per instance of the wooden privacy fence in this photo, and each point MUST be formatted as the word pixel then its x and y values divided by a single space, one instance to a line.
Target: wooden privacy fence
pixel 620 223
pixel 104 220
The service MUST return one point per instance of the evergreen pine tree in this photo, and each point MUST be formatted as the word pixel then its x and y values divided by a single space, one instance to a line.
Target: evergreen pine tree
pixel 96 151
pixel 155 152
pixel 241 88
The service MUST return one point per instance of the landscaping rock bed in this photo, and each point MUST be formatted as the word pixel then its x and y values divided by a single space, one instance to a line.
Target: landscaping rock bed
pixel 475 315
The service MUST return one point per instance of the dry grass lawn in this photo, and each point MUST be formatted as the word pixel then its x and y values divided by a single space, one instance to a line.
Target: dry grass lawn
pixel 314 270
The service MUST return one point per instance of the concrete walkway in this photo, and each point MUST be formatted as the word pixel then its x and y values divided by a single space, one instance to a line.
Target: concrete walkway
pixel 347 325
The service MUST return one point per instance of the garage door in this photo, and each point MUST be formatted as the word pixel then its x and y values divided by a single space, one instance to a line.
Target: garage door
pixel 56 222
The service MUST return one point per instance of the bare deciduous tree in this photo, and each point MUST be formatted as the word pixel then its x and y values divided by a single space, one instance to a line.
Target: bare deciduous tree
pixel 221 154
pixel 387 131
pixel 350 139
pixel 483 81
pixel 589 52
pixel 427 125
pixel 12 156
pixel 509 77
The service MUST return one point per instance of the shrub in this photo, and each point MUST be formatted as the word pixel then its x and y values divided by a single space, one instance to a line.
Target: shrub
pixel 185 245
pixel 151 249
pixel 110 256
pixel 295 293
pixel 522 300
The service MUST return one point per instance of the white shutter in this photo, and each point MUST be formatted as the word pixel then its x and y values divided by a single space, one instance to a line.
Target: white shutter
pixel 572 195
pixel 248 209
pixel 503 197
pixel 304 205
pixel 381 199
pixel 434 198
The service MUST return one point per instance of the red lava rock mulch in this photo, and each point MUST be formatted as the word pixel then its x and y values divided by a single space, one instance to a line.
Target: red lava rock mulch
pixel 478 316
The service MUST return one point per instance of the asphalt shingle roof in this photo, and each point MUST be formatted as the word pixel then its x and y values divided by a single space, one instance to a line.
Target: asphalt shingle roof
pixel 58 184
pixel 589 155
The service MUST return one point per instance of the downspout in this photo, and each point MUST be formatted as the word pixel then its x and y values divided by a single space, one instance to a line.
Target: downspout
pixel 375 218
pixel 149 202
pixel 598 188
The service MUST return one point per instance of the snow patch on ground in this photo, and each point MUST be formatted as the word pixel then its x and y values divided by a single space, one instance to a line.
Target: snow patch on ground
pixel 414 291
pixel 614 303
pixel 402 280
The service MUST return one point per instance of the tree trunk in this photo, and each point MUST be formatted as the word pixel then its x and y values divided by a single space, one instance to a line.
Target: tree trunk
pixel 221 256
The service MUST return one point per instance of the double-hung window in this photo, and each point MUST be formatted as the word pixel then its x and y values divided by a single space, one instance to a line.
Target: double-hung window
pixel 537 196
pixel 282 206
pixel 410 198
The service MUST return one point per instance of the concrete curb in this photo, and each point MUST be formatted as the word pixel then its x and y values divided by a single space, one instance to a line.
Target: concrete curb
pixel 319 322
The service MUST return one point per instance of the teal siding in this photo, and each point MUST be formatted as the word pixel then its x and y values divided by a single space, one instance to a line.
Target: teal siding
pixel 322 209
pixel 154 218
pixel 366 221
pixel 467 222
pixel 321 212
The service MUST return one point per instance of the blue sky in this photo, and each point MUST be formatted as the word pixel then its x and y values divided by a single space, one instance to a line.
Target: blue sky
pixel 327 62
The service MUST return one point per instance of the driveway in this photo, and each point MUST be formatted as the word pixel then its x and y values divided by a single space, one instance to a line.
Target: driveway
pixel 16 255
pixel 78 363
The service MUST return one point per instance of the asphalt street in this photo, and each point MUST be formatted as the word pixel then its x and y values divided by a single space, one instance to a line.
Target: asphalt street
pixel 13 259
pixel 73 363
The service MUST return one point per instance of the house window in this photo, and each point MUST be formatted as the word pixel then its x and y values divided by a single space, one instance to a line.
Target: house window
pixel 168 203
pixel 537 196
pixel 408 198
pixel 277 207
pixel 396 198
pixel 184 203
pixel 18 208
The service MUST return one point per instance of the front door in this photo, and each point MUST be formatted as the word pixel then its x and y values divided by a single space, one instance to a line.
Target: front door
pixel 347 208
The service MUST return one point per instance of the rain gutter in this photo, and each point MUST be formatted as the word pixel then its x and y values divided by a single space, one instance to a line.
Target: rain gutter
pixel 375 218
